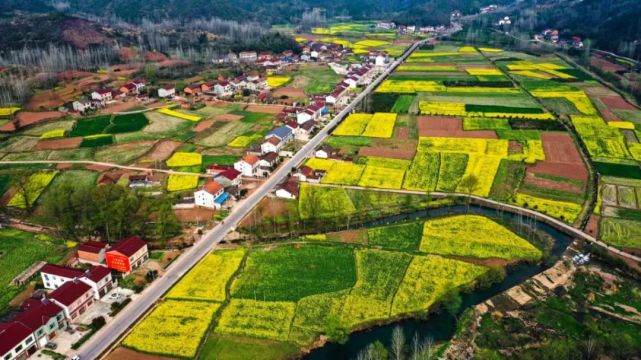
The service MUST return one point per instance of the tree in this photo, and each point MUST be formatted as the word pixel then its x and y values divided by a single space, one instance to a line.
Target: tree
pixel 27 189
pixel 398 343
pixel 468 184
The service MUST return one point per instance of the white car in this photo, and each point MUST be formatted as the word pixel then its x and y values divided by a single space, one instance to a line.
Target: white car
pixel 75 357
pixel 115 296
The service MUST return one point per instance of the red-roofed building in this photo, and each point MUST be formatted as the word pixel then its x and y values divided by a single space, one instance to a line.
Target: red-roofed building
pixel 127 254
pixel 209 195
pixel 92 252
pixel 16 341
pixel 97 277
pixel 43 317
pixel 102 95
pixel 74 297
pixel 288 190
pixel 247 165
pixel 229 177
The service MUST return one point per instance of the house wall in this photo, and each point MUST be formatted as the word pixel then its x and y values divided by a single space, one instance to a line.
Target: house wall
pixel 22 350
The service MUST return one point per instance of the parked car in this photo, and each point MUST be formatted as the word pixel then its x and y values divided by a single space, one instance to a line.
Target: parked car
pixel 52 346
pixel 115 296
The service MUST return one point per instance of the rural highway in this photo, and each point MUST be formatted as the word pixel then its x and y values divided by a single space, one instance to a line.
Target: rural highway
pixel 102 341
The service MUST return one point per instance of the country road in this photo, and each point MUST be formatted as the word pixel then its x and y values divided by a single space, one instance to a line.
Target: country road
pixel 102 341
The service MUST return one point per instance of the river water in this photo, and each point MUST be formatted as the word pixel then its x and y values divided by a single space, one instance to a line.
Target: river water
pixel 441 326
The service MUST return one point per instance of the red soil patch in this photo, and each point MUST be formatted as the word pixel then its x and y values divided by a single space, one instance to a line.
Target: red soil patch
pixel 228 117
pixel 530 179
pixel 203 125
pixel 268 208
pixel 66 166
pixel 162 150
pixel 59 144
pixel 608 115
pixel 122 353
pixel 592 226
pixel 195 214
pixel 605 65
pixel 436 126
pixel 269 109
pixel 617 102
pixel 515 147
pixel 152 56
pixel 25 118
pixel 561 158
pixel 52 99
pixel 402 133
pixel 216 103
pixel 117 106
pixel 174 63
pixel 403 154
pixel 98 168
pixel 290 92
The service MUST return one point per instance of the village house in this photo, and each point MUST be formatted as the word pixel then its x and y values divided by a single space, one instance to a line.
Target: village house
pixel 232 57
pixel 266 164
pixel 92 252
pixel 211 196
pixel 43 317
pixel 306 173
pixel 102 95
pixel 248 56
pixel 336 95
pixel 142 181
pixel 306 129
pixel 128 89
pixel 74 297
pixel 325 152
pixel 167 91
pixel 273 144
pixel 288 190
pixel 16 341
pixel 127 254
pixel 247 165
pixel 208 86
pixel 97 277
pixel 227 178
pixel 192 90
pixel 284 133
pixel 223 88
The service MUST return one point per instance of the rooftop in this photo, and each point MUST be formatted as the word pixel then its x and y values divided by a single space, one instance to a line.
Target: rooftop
pixel 128 246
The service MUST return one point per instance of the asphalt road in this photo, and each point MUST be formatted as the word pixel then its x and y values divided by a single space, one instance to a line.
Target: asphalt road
pixel 97 345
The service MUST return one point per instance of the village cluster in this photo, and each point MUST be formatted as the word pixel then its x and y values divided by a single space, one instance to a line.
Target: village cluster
pixel 70 296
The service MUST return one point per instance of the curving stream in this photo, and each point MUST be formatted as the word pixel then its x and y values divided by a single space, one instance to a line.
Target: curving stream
pixel 441 326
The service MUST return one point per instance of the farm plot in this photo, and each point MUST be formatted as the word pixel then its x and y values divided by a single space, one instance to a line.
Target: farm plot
pixel 290 273
pixel 477 237
pixel 214 272
pixel 20 250
pixel 34 187
pixel 181 159
pixel 123 153
pixel 379 276
pixel 91 126
pixel 562 210
pixel 182 182
pixel 174 328
pixel 314 79
pixel 127 123
pixel 405 237
pixel 180 115
pixel 344 173
pixel 621 233
pixel 317 202
pixel 261 319
pixel 428 278
pixel 604 143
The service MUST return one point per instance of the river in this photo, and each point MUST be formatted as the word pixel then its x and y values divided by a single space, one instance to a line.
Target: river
pixel 441 326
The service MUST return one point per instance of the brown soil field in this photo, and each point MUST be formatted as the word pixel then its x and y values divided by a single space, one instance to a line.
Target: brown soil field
pixel 592 227
pixel 29 118
pixel 122 353
pixel 436 126
pixel 59 144
pixel 195 214
pixel 203 125
pixel 349 236
pixel 228 117
pixel 64 166
pixel 268 208
pixel 6 197
pixel 290 92
pixel 118 106
pixel 605 65
pixel 97 168
pixel 269 109
pixel 561 158
pixel 530 179
pixel 607 114
pixel 173 63
pixel 617 102
pixel 402 133
pixel 405 154
pixel 162 150
pixel 52 99
pixel 152 56
pixel 216 103
pixel 515 147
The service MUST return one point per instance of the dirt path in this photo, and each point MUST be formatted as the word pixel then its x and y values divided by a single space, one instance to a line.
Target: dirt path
pixel 105 164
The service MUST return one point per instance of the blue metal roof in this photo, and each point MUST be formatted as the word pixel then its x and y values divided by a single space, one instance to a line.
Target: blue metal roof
pixel 281 131
pixel 221 199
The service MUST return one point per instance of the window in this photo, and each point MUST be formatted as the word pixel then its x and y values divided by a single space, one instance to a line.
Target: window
pixel 60 317
pixel 7 357
pixel 52 326
pixel 46 277
pixel 40 331
pixel 29 340
pixel 18 348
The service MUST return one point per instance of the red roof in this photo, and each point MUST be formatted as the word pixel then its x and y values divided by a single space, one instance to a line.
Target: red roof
pixel 103 91
pixel 97 273
pixel 213 187
pixel 292 124
pixel 291 186
pixel 128 246
pixel 274 140
pixel 230 174
pixel 12 334
pixel 94 247
pixel 36 313
pixel 250 159
pixel 69 292
pixel 62 271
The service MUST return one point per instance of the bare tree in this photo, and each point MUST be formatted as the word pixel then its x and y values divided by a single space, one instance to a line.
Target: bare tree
pixel 398 343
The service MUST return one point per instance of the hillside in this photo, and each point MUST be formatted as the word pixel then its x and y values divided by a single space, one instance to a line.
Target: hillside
pixel 268 11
